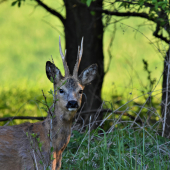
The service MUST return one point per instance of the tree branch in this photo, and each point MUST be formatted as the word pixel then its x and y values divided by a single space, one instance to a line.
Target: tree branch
pixel 21 117
pixel 51 11
pixel 132 3
pixel 160 36
pixel 134 14
pixel 82 113
pixel 123 14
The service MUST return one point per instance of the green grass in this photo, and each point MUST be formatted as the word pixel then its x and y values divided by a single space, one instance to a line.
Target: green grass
pixel 121 149
pixel 18 102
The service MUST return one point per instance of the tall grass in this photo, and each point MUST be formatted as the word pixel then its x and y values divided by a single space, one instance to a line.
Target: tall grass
pixel 129 148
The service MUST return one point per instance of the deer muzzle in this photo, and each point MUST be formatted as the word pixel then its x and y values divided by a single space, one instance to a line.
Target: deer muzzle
pixel 72 105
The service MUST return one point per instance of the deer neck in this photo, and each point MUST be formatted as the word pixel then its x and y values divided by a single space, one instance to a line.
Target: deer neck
pixel 61 128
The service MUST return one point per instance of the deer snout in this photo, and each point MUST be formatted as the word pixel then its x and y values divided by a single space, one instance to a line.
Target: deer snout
pixel 72 105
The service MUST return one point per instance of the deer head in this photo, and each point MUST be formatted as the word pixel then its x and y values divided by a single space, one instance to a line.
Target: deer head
pixel 69 88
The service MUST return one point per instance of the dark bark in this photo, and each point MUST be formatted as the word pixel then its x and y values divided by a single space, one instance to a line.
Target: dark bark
pixel 80 22
pixel 165 109
pixel 166 94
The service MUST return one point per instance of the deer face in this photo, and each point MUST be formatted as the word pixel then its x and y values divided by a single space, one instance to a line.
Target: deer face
pixel 69 89
pixel 70 94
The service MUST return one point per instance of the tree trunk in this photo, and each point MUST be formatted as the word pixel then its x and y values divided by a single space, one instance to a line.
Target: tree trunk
pixel 81 22
pixel 166 96
pixel 166 84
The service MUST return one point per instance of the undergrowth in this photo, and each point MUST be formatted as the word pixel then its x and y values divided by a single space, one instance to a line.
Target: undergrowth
pixel 20 102
pixel 128 148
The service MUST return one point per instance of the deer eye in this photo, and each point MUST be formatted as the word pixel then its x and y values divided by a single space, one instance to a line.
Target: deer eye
pixel 61 91
pixel 81 92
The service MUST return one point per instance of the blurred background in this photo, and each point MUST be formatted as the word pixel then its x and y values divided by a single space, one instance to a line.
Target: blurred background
pixel 29 36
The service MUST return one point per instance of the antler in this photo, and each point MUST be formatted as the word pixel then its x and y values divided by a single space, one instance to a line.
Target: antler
pixel 79 56
pixel 67 72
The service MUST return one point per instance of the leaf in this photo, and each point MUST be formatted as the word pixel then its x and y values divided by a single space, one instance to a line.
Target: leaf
pixel 27 134
pixel 161 3
pixel 50 92
pixel 122 4
pixel 163 6
pixel 14 3
pixel 52 158
pixel 33 135
pixel 52 109
pixel 151 15
pixel 41 162
pixel 88 2
pixel 49 104
pixel 51 150
pixel 38 139
pixel 141 2
pixel 40 145
pixel 83 1
pixel 44 102
pixel 19 3
pixel 51 79
pixel 92 13
pixel 64 82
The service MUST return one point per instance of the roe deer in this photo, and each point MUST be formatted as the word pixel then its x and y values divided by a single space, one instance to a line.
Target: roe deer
pixel 28 146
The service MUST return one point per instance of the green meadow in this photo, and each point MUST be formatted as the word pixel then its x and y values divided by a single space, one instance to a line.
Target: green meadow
pixel 29 37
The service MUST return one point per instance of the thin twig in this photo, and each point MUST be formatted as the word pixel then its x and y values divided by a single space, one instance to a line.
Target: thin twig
pixel 51 11
pixel 89 138
pixel 82 113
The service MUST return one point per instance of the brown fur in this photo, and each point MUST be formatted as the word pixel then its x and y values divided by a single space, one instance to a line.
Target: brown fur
pixel 19 150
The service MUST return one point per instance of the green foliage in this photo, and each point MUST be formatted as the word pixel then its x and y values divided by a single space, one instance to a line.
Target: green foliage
pixel 17 2
pixel 150 109
pixel 155 7
pixel 51 79
pixel 40 146
pixel 87 2
pixel 21 102
pixel 153 4
pixel 124 149
pixel 92 13
pixel 41 162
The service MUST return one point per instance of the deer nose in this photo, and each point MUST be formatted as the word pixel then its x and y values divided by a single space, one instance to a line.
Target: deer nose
pixel 72 104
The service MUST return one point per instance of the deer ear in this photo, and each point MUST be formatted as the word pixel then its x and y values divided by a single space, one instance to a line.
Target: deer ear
pixel 53 73
pixel 88 74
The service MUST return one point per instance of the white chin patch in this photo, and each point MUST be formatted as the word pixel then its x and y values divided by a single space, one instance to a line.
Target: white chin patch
pixel 72 109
